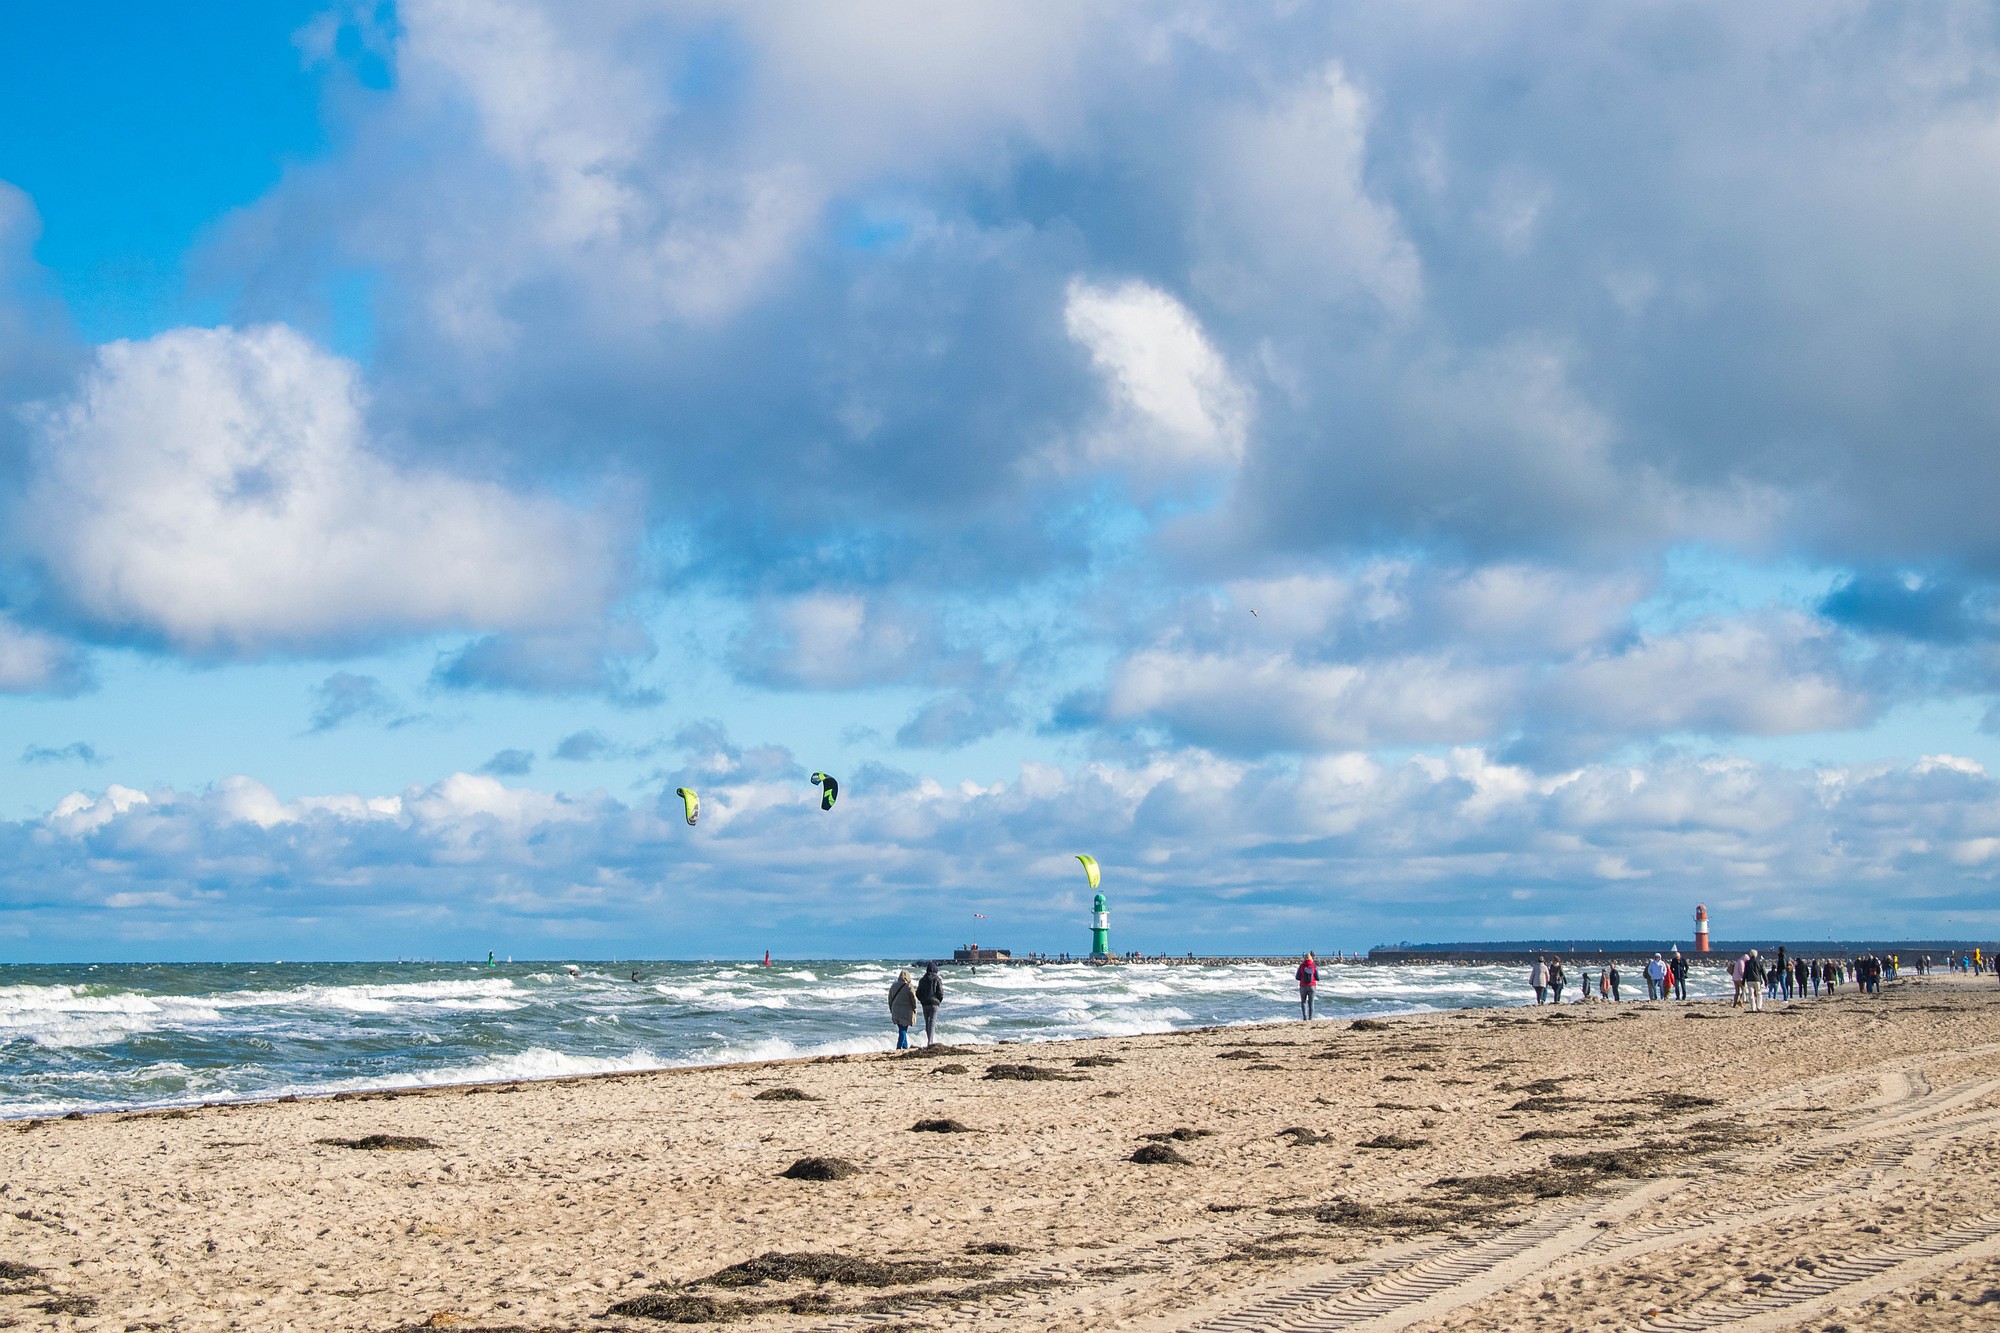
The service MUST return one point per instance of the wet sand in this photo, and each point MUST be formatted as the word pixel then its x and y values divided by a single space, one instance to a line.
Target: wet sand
pixel 1832 1163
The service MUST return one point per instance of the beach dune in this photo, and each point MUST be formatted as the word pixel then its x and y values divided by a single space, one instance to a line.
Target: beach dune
pixel 1828 1163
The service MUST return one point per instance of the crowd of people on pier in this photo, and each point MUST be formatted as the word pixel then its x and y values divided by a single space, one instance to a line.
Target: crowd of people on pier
pixel 1754 978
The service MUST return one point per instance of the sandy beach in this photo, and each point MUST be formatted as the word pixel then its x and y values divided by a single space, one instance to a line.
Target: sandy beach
pixel 1831 1164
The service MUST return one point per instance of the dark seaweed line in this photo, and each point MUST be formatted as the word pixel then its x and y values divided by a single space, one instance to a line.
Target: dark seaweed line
pixel 1222 1239
pixel 1831 1278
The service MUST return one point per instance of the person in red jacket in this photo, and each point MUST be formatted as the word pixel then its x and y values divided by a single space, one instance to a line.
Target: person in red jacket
pixel 1308 975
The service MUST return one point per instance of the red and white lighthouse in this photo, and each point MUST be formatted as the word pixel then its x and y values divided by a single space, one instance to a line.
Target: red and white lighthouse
pixel 1700 928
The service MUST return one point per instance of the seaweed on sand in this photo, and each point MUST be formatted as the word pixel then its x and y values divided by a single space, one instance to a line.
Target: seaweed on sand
pixel 1402 1218
pixel 783 1095
pixel 1096 1061
pixel 946 1126
pixel 1182 1135
pixel 1031 1074
pixel 993 1247
pixel 975 1291
pixel 385 1143
pixel 678 1304
pixel 1393 1141
pixel 1632 1163
pixel 820 1168
pixel 843 1269
pixel 1266 1249
pixel 1519 1185
pixel 1370 1025
pixel 1676 1101
pixel 20 1279
pixel 1159 1154
pixel 1302 1137
pixel 678 1307
pixel 934 1049
pixel 1547 1104
pixel 951 1069
pixel 68 1304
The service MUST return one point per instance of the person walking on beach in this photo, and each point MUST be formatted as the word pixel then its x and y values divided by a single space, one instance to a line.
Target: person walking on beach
pixel 1656 979
pixel 1753 981
pixel 1604 981
pixel 1308 975
pixel 930 994
pixel 1677 968
pixel 1611 976
pixel 1736 972
pixel 1557 979
pixel 902 1008
pixel 1538 977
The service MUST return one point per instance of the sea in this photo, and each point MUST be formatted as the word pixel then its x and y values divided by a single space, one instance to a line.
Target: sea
pixel 125 1036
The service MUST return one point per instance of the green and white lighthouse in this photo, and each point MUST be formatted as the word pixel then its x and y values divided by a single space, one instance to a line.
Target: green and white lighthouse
pixel 1100 929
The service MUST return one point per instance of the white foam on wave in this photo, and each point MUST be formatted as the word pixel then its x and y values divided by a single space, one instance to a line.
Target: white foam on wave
pixel 777 1048
pixel 537 1062
pixel 62 1016
pixel 711 997
pixel 381 998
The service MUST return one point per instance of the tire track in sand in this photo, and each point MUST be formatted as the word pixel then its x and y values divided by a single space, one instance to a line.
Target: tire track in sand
pixel 1393 1294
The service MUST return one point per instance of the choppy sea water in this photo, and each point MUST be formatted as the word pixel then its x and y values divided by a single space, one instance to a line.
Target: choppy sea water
pixel 132 1035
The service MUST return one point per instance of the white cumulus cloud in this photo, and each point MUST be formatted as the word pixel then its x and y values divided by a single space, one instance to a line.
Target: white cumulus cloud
pixel 218 488
pixel 1176 403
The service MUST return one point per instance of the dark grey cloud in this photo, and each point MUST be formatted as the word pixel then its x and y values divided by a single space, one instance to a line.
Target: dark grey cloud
pixel 348 696
pixel 957 719
pixel 76 752
pixel 590 745
pixel 583 746
pixel 509 764
pixel 1933 610
pixel 599 662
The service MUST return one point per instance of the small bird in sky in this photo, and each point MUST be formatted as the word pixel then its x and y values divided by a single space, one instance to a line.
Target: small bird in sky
pixel 979 916
pixel 1253 611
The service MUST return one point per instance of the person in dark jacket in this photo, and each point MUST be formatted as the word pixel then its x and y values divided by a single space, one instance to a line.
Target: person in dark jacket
pixel 902 1008
pixel 930 994
pixel 1678 966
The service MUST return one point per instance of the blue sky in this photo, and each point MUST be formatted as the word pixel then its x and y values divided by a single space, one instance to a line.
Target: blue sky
pixel 437 432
